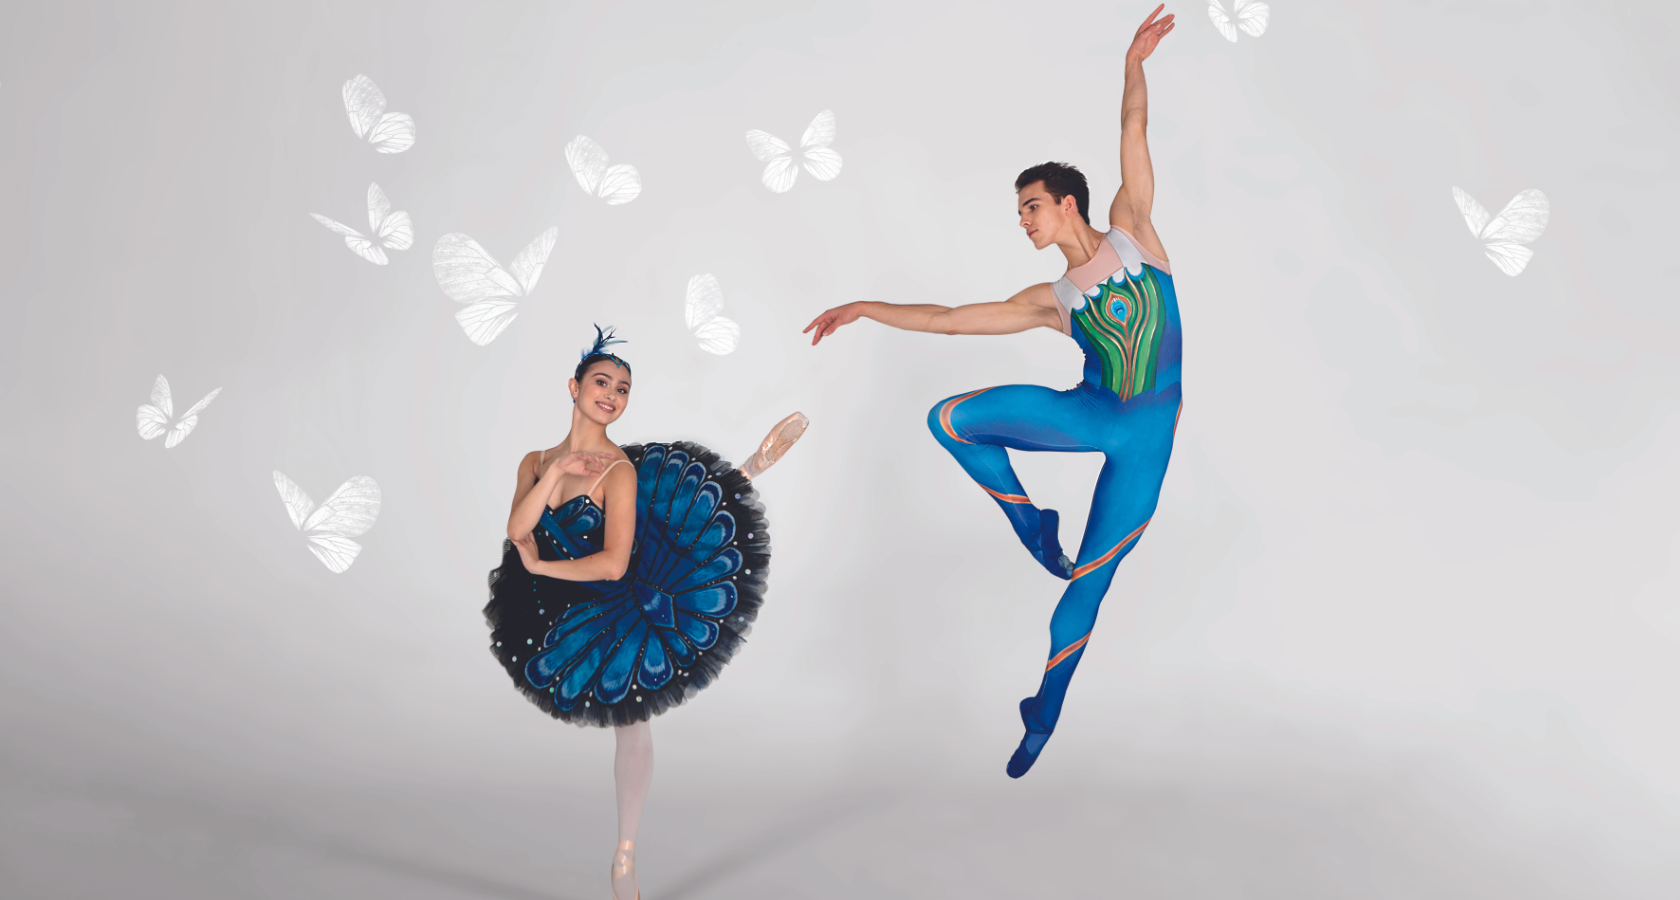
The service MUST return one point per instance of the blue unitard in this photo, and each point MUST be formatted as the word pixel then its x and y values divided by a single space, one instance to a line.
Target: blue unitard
pixel 1122 311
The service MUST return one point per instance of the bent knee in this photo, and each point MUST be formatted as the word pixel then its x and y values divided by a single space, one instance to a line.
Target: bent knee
pixel 938 422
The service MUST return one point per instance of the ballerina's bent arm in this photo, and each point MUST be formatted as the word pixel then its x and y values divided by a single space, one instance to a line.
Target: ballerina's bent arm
pixel 619 504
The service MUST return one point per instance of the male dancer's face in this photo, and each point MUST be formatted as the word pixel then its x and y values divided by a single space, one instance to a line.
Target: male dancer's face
pixel 1043 218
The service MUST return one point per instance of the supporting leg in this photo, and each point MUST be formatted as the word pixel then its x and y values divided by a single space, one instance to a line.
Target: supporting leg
pixel 1127 492
pixel 632 776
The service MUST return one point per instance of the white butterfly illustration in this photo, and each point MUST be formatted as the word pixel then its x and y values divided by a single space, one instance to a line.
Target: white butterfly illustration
pixel 350 511
pixel 1521 221
pixel 614 184
pixel 1251 18
pixel 365 104
pixel 152 418
pixel 470 275
pixel 705 300
pixel 822 162
pixel 391 230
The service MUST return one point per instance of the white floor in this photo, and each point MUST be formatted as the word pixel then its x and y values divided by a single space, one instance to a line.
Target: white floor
pixel 1170 838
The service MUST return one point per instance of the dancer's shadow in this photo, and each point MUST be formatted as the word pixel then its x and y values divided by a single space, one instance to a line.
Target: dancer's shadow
pixel 783 832
pixel 466 882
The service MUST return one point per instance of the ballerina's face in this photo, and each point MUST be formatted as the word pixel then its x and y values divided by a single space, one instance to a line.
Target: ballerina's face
pixel 1042 216
pixel 603 393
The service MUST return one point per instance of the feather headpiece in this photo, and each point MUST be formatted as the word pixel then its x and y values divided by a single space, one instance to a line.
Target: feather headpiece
pixel 603 340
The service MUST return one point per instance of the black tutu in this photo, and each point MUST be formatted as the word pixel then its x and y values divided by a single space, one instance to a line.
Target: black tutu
pixel 619 652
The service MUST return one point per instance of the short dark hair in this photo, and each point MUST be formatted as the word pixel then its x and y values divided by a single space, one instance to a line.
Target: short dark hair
pixel 1060 179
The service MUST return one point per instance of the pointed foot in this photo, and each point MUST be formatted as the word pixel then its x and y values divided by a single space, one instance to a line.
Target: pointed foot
pixel 1031 744
pixel 1050 553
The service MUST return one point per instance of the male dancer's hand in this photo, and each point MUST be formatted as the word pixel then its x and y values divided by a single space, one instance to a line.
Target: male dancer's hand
pixel 1148 35
pixel 828 322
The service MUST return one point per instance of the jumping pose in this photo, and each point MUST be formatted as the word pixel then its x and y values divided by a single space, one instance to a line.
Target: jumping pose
pixel 629 577
pixel 1117 302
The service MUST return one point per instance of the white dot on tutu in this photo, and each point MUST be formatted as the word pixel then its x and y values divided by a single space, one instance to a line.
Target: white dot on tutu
pixel 498 643
pixel 586 704
pixel 527 640
pixel 749 571
pixel 516 659
pixel 737 496
pixel 749 535
pixel 638 698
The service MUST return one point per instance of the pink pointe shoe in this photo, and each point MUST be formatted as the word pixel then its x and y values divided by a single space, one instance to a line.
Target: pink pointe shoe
pixel 624 872
pixel 776 444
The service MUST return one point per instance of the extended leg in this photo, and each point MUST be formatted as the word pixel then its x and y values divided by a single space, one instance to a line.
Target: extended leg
pixel 978 427
pixel 632 775
pixel 1127 492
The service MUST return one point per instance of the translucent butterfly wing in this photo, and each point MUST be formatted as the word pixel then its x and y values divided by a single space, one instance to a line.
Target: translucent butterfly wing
pixel 1251 16
pixel 780 169
pixel 393 229
pixel 364 103
pixel 1510 258
pixel 1474 215
pixel 469 274
pixel 350 511
pixel 297 502
pixel 820 133
pixel 705 301
pixel 621 184
pixel 528 265
pixel 1222 21
pixel 397 231
pixel 715 333
pixel 485 320
pixel 614 184
pixel 336 552
pixel 1521 221
pixel 379 207
pixel 152 419
pixel 588 161
pixel 719 336
pixel 393 134
pixel 821 161
pixel 189 421
pixel 353 239
pixel 767 146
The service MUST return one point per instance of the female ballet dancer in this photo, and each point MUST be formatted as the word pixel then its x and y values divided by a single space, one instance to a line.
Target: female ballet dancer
pixel 629 576
pixel 1117 302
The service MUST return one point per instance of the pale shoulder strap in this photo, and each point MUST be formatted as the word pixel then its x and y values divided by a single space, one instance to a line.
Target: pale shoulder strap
pixel 604 472
pixel 1068 298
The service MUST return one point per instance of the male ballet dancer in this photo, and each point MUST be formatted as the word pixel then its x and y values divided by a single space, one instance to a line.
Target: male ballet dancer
pixel 1117 302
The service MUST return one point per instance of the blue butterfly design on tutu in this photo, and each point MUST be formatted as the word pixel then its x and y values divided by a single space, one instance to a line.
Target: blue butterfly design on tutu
pixel 645 642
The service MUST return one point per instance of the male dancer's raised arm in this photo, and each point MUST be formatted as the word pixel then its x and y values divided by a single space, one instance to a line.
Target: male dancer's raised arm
pixel 1131 206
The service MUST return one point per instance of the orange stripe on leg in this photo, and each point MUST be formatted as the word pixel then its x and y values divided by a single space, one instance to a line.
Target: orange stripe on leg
pixel 1007 498
pixel 1098 563
pixel 945 413
pixel 1071 650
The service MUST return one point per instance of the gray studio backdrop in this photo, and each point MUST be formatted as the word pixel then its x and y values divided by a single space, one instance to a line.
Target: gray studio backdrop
pixel 1405 623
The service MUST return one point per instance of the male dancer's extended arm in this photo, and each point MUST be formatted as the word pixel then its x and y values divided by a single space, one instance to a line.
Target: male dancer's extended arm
pixel 1132 205
pixel 1031 308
